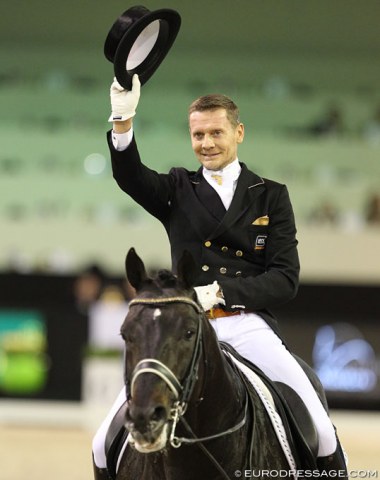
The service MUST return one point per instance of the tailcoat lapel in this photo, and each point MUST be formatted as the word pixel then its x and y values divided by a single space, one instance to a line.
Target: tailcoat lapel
pixel 248 188
pixel 201 204
pixel 209 198
pixel 204 208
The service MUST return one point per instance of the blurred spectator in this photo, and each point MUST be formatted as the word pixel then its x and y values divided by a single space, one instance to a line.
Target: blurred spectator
pixel 104 302
pixel 331 124
pixel 325 214
pixel 371 130
pixel 372 213
pixel 88 287
pixel 106 316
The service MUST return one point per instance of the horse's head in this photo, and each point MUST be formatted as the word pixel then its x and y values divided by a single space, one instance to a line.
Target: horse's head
pixel 162 333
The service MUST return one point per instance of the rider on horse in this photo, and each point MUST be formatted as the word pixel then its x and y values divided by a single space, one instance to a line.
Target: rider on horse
pixel 240 230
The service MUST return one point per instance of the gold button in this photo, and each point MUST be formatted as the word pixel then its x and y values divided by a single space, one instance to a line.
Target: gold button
pixel 238 273
pixel 223 270
pixel 205 268
pixel 239 253
pixel 208 243
pixel 224 249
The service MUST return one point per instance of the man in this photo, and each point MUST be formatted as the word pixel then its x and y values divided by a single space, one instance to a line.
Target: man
pixel 240 230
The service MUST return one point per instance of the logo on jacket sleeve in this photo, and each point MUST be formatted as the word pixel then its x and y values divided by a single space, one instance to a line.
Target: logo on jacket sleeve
pixel 260 242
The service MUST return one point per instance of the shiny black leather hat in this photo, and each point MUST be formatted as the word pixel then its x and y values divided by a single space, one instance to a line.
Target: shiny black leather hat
pixel 138 42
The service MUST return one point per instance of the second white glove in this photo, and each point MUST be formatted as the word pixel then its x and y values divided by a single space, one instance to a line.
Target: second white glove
pixel 124 102
pixel 207 295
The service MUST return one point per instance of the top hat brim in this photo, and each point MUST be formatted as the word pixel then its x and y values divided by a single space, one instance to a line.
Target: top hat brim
pixel 124 34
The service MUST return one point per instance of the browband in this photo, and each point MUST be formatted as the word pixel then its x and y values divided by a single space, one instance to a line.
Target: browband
pixel 162 301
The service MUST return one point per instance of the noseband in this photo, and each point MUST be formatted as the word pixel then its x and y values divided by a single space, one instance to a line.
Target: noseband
pixel 182 392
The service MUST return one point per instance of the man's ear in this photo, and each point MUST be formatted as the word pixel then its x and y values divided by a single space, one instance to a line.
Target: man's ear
pixel 240 133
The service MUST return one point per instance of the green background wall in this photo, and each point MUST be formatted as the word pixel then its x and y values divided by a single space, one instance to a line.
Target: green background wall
pixel 284 62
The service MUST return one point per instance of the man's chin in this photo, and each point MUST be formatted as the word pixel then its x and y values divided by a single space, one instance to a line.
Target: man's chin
pixel 211 164
pixel 214 164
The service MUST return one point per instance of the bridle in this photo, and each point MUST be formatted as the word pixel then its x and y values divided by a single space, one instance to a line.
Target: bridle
pixel 182 391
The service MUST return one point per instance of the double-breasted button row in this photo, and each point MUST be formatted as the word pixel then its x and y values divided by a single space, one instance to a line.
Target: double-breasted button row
pixel 224 249
pixel 222 270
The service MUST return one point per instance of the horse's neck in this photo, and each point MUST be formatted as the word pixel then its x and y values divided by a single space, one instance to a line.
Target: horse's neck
pixel 218 384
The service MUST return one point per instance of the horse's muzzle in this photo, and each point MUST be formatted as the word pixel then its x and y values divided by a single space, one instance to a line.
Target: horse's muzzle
pixel 147 426
pixel 148 445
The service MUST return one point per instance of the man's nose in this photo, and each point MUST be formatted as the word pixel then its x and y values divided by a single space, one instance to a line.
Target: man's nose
pixel 208 142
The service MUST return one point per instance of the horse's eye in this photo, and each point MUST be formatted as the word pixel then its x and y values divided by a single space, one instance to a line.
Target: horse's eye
pixel 189 334
pixel 128 338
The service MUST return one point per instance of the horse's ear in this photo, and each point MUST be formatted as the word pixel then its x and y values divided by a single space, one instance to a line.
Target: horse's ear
pixel 187 270
pixel 135 269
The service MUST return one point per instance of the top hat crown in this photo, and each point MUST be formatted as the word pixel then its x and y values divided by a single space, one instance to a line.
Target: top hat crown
pixel 138 42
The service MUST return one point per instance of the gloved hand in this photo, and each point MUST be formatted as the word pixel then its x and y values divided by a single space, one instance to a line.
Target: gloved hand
pixel 207 295
pixel 124 102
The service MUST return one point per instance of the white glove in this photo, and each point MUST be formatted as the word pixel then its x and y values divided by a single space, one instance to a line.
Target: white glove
pixel 207 295
pixel 124 102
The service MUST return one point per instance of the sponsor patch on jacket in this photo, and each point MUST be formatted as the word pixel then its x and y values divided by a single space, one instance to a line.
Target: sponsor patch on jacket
pixel 260 242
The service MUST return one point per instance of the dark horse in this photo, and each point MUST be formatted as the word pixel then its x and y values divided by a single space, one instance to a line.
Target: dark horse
pixel 187 407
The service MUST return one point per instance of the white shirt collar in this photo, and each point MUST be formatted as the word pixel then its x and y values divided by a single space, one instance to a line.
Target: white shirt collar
pixel 230 172
pixel 224 181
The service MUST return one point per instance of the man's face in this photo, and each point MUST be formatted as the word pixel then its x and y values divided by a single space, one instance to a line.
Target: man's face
pixel 214 139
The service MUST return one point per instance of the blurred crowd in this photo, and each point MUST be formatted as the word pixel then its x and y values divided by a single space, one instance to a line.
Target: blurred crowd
pixel 328 214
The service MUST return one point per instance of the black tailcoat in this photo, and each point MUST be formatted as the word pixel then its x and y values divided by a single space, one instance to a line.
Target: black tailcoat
pixel 250 249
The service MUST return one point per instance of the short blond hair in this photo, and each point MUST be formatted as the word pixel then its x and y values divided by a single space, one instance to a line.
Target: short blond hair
pixel 215 102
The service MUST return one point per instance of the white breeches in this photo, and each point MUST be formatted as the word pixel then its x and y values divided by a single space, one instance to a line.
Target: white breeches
pixel 252 337
pixel 99 440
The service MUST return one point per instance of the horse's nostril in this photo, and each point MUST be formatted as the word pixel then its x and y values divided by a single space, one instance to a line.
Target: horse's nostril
pixel 145 418
pixel 159 413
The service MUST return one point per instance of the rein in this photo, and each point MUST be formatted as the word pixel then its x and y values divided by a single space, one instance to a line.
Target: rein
pixel 176 442
pixel 182 393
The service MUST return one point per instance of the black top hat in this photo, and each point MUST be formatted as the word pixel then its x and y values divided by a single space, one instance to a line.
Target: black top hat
pixel 138 42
